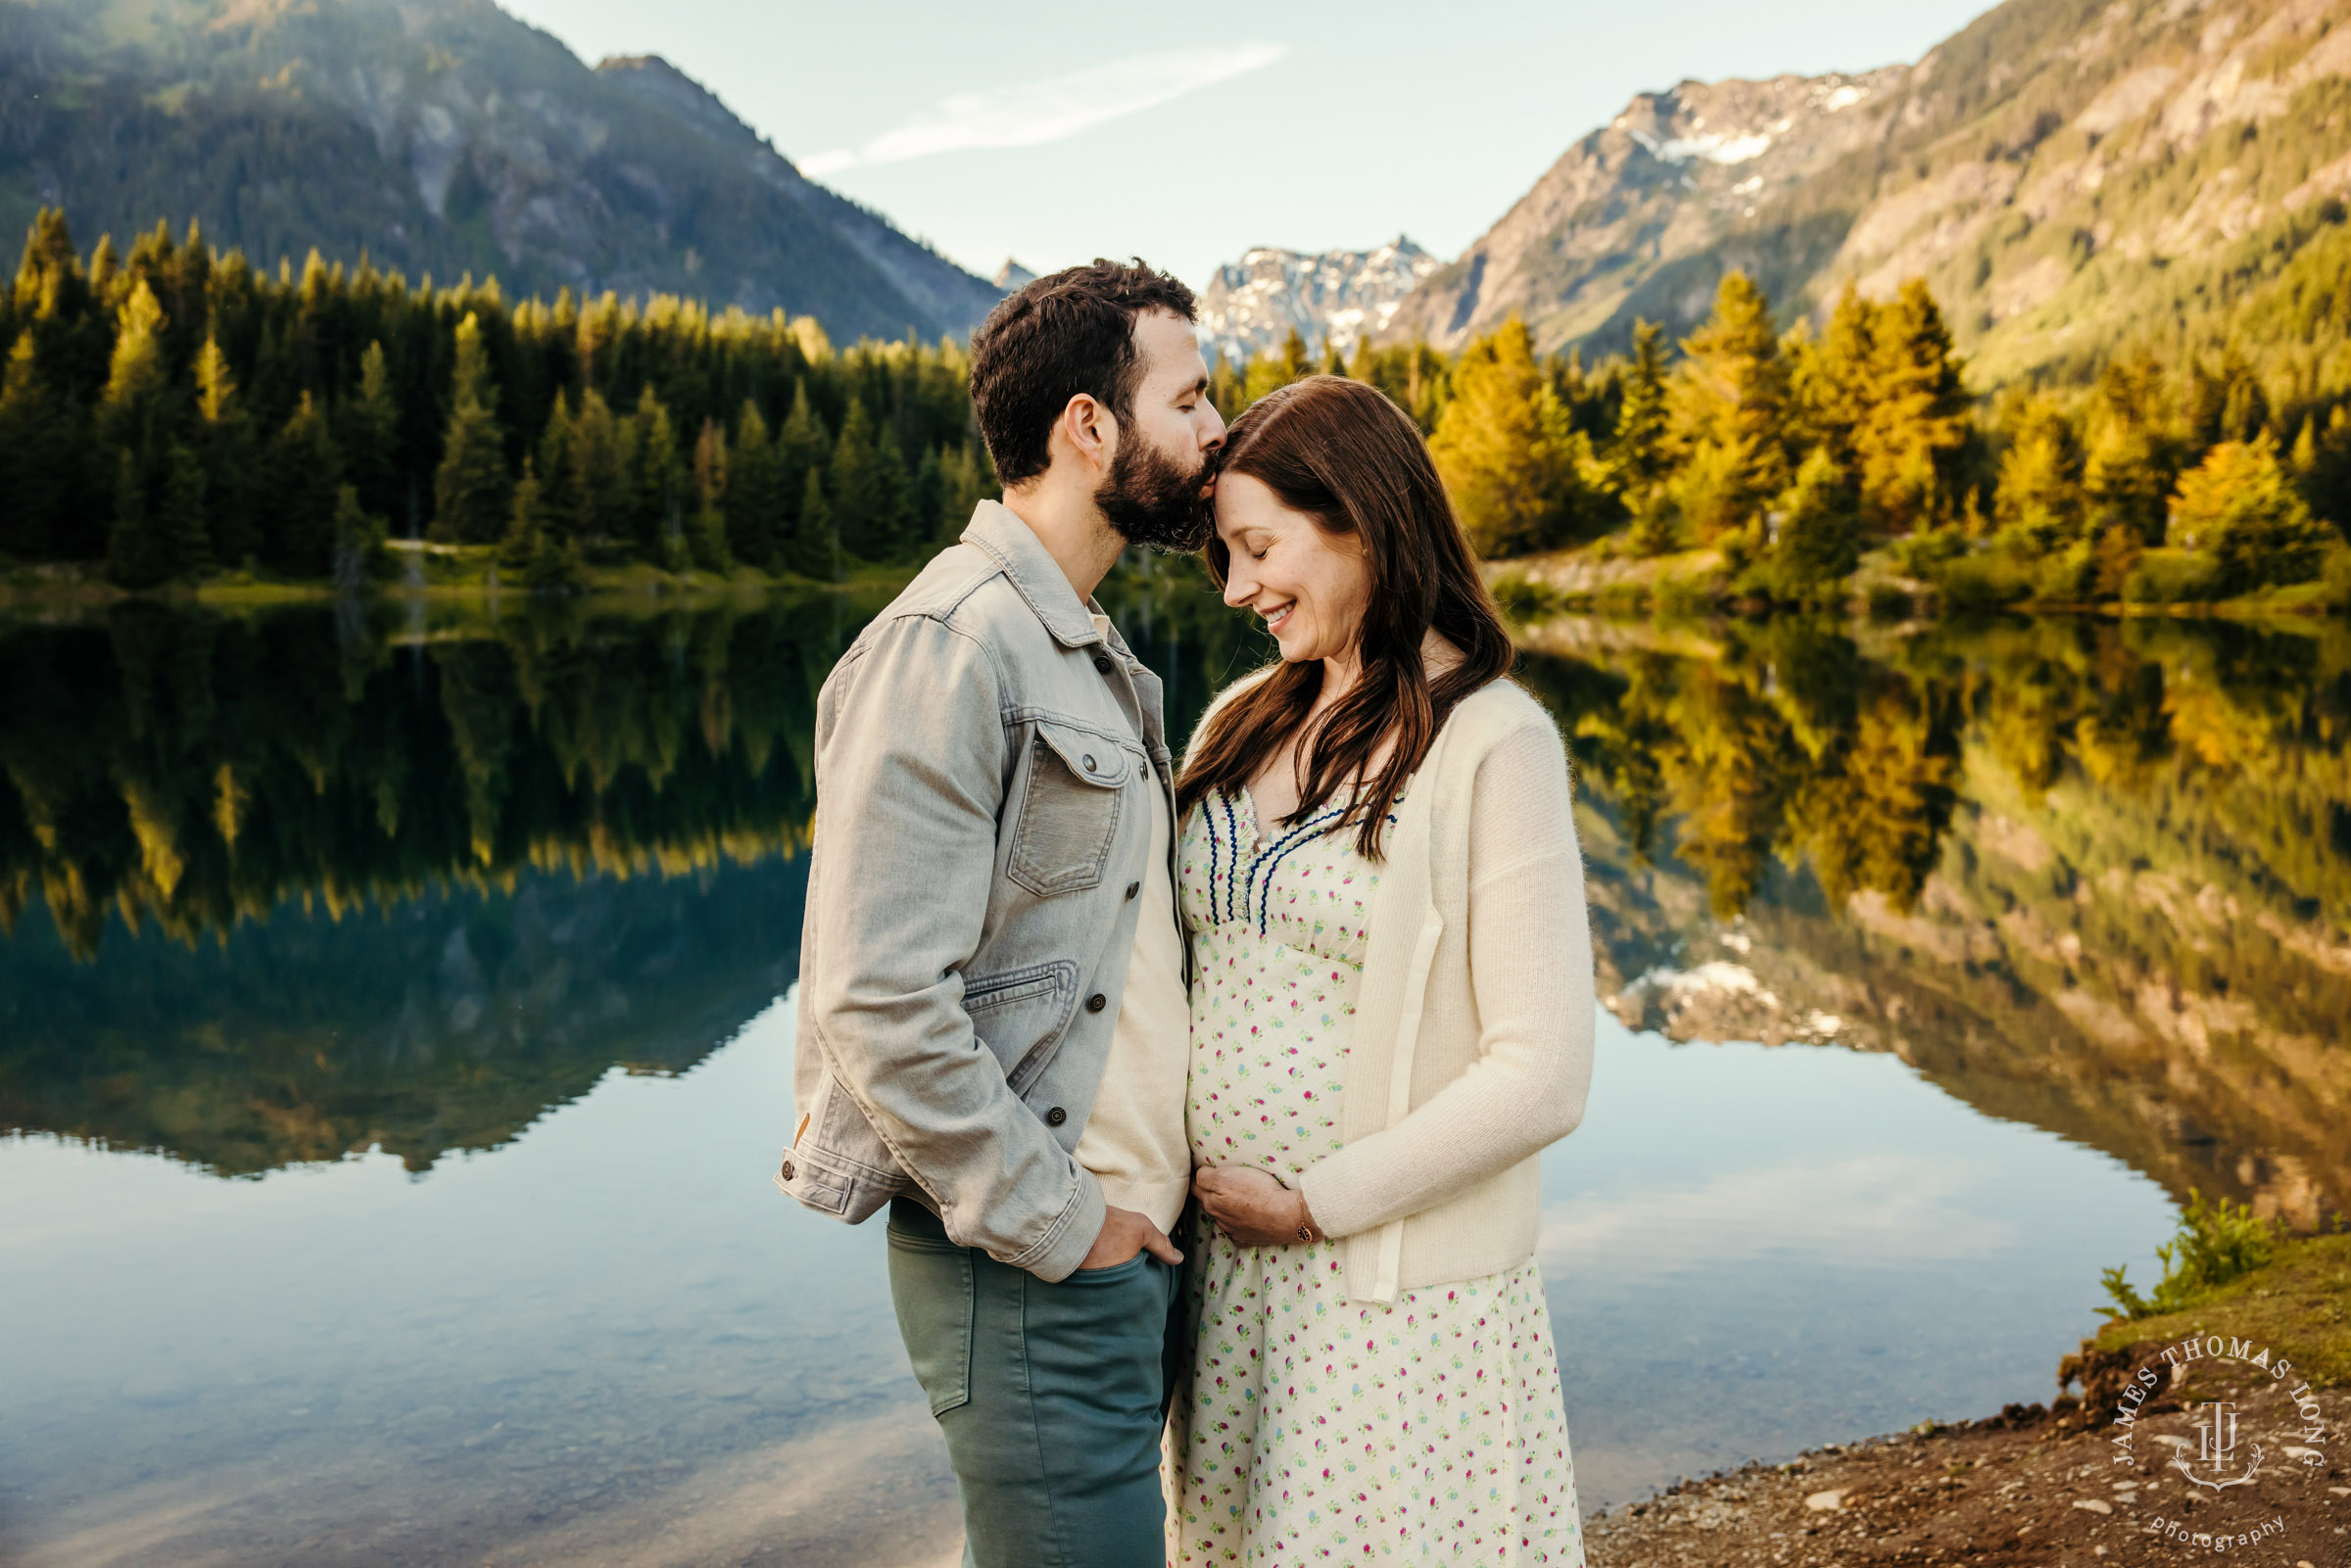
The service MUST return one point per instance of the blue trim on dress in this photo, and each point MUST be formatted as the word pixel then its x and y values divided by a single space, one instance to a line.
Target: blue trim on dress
pixel 1250 878
pixel 1271 858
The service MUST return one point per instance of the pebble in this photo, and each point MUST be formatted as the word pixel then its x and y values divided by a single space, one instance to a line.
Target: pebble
pixel 2094 1505
pixel 1826 1502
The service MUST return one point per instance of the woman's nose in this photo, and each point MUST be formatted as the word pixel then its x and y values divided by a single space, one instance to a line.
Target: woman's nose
pixel 1239 589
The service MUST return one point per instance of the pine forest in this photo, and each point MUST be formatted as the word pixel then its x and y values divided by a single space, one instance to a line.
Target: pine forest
pixel 177 415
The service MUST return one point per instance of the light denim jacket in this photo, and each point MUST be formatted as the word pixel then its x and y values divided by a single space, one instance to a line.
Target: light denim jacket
pixel 981 828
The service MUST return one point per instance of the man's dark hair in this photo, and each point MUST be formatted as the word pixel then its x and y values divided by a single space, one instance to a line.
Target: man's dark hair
pixel 1066 333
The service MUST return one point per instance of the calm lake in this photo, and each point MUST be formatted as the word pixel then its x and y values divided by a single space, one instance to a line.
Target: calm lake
pixel 395 1044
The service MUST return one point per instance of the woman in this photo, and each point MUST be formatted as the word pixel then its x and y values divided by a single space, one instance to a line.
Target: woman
pixel 1391 1016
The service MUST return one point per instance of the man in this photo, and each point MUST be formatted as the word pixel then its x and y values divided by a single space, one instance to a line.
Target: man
pixel 993 1024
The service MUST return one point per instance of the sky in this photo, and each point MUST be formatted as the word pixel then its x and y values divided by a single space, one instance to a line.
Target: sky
pixel 1052 134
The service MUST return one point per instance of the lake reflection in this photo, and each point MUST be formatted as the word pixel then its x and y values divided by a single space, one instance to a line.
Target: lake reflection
pixel 392 1031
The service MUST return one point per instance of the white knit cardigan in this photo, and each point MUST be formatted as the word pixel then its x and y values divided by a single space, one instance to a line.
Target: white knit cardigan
pixel 1473 1043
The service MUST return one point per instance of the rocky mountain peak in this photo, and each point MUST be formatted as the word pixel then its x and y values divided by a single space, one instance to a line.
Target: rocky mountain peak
pixel 2047 170
pixel 1330 298
pixel 1667 176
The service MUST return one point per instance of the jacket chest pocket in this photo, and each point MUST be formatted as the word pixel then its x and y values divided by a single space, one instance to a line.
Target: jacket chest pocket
pixel 1069 807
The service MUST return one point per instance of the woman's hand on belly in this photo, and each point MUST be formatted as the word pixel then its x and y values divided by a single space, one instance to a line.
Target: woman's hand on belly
pixel 1252 1207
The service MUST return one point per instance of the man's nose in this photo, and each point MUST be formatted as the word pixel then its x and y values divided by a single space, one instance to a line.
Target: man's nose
pixel 1216 427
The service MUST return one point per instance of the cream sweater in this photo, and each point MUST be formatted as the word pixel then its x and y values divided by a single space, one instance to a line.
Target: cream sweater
pixel 1473 1042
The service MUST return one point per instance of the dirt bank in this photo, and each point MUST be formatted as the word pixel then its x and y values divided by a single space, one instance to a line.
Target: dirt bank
pixel 2071 1483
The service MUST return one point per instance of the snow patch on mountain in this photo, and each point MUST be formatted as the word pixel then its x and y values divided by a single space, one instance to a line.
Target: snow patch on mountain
pixel 1329 298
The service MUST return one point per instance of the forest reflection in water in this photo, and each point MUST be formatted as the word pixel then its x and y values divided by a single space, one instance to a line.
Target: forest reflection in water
pixel 281 886
pixel 424 873
pixel 2090 875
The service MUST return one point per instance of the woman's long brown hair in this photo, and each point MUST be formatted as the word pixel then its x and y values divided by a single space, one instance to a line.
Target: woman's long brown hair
pixel 1341 452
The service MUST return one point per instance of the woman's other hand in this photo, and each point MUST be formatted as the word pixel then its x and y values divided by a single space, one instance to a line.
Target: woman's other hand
pixel 1252 1207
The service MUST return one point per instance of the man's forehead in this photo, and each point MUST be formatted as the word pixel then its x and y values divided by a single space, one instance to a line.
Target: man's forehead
pixel 1169 342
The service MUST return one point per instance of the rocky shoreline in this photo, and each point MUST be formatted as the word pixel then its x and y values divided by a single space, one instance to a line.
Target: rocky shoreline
pixel 2030 1486
pixel 2118 1475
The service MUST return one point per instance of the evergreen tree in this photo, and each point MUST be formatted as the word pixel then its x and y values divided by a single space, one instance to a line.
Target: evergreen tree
pixel 597 461
pixel 134 425
pixel 1275 372
pixel 2040 505
pixel 471 491
pixel 1816 534
pixel 868 488
pixel 815 537
pixel 802 445
pixel 36 456
pixel 187 541
pixel 560 480
pixel 225 447
pixel 966 480
pixel 1637 457
pixel 2325 480
pixel 754 501
pixel 1914 425
pixel 546 561
pixel 1332 364
pixel 2132 463
pixel 131 411
pixel 305 481
pixel 706 531
pixel 2223 402
pixel 366 429
pixel 1224 387
pixel 358 551
pixel 1730 413
pixel 2240 505
pixel 1513 464
pixel 526 521
pixel 136 553
pixel 1829 381
pixel 926 505
pixel 652 479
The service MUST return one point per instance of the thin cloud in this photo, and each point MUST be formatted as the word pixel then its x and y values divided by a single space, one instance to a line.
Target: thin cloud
pixel 1039 111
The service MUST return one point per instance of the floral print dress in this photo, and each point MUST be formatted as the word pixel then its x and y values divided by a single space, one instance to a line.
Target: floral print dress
pixel 1311 1428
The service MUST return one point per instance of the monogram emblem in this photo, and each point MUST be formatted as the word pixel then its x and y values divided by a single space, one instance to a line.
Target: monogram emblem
pixel 2215 1449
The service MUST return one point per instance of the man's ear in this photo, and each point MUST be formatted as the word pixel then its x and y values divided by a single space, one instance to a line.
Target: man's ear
pixel 1089 430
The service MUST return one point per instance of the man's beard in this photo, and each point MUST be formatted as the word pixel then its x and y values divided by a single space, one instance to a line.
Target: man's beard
pixel 1153 502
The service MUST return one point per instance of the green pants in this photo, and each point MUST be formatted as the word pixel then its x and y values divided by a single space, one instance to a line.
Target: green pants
pixel 1051 1396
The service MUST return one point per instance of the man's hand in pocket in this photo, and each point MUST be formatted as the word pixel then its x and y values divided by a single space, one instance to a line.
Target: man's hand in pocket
pixel 1126 1233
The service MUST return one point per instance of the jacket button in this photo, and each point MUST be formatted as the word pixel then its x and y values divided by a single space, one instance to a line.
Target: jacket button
pixel 786 1170
pixel 1133 888
pixel 1102 663
pixel 1056 1116
pixel 1097 1002
pixel 1089 762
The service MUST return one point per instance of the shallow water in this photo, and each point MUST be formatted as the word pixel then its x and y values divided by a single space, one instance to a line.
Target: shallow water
pixel 430 1223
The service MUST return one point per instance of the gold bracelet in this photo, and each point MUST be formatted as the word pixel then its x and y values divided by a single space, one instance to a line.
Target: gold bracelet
pixel 1305 1226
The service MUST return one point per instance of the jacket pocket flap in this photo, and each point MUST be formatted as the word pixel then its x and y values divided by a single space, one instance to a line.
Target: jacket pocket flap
pixel 1090 758
pixel 1019 985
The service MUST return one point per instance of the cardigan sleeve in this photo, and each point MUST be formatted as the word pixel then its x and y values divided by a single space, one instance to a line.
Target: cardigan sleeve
pixel 1531 972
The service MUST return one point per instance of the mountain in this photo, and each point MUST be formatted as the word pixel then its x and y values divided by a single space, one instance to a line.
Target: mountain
pixel 1011 275
pixel 1331 297
pixel 439 136
pixel 2065 173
